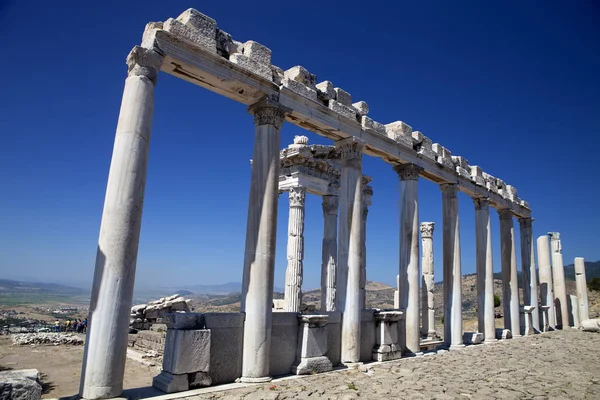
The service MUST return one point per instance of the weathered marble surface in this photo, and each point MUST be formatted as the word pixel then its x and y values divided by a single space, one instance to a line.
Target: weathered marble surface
pixel 561 305
pixel 528 271
pixel 582 293
pixel 427 283
pixel 510 284
pixel 546 281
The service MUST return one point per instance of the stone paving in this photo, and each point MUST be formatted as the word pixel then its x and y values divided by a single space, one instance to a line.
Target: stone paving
pixel 557 365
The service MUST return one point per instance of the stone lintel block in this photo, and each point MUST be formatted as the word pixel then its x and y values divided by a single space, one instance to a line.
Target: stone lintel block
pixel 525 204
pixel 148 37
pixel 425 152
pixel 369 125
pixel 191 35
pixel 342 109
pixel 184 320
pixel 343 97
pixel 199 379
pixel 400 132
pixel 187 351
pixel 472 337
pixel 479 181
pixel 325 91
pixel 200 22
pixel 361 107
pixel 511 190
pixel 503 334
pixel 225 44
pixel 476 171
pixel 252 65
pixel 312 365
pixel 417 137
pixel 170 383
pixel 277 74
pixel 463 172
pixel 300 88
pixel 257 52
pixel 301 74
pixel 460 162
pixel 443 155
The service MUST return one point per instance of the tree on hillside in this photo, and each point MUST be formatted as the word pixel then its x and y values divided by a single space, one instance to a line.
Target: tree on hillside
pixel 594 284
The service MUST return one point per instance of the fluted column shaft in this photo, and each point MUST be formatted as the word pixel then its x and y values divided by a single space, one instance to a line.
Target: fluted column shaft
pixel 452 267
pixel 259 257
pixel 409 254
pixel 103 364
pixel 350 247
pixel 329 253
pixel 560 288
pixel 485 270
pixel 546 281
pixel 510 282
pixel 427 282
pixel 366 201
pixel 295 250
pixel 582 294
pixel 528 271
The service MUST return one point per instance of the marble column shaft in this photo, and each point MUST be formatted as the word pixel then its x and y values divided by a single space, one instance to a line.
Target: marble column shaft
pixel 350 243
pixel 546 281
pixel 560 288
pixel 409 254
pixel 295 250
pixel 103 364
pixel 259 257
pixel 329 253
pixel 582 294
pixel 528 271
pixel 366 201
pixel 485 270
pixel 452 268
pixel 427 283
pixel 510 282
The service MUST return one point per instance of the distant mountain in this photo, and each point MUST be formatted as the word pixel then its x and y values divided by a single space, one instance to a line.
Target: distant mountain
pixel 221 289
pixel 592 270
pixel 10 285
pixel 19 292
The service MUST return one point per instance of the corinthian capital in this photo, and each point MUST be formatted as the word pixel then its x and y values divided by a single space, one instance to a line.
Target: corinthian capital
pixel 505 214
pixel 268 112
pixel 481 203
pixel 144 62
pixel 427 229
pixel 297 196
pixel 525 222
pixel 330 205
pixel 408 172
pixel 449 189
pixel 349 148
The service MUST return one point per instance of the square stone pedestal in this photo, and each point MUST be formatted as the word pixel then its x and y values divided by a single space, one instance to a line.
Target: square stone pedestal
pixel 545 319
pixel 386 347
pixel 312 345
pixel 527 320
pixel 472 338
pixel 503 334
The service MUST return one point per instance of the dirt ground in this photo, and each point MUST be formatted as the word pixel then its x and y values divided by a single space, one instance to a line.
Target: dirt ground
pixel 61 367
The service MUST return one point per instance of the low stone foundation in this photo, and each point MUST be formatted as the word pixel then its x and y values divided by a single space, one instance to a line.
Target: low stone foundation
pixel 147 341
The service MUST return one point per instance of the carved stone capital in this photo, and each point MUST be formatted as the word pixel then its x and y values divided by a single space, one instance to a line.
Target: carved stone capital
pixel 449 189
pixel 408 172
pixel 525 222
pixel 297 196
pixel 268 112
pixel 554 235
pixel 427 229
pixel 349 149
pixel 144 62
pixel 481 203
pixel 555 244
pixel 330 205
pixel 505 214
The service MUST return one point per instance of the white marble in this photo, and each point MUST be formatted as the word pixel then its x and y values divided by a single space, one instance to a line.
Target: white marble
pixel 527 320
pixel 312 345
pixel 409 255
pixel 510 284
pixel 546 281
pixel 295 249
pixel 259 257
pixel 485 270
pixel 428 282
pixel 112 291
pixel 573 311
pixel 558 275
pixel 386 337
pixel 350 247
pixel 452 268
pixel 366 202
pixel 528 271
pixel 329 253
pixel 582 293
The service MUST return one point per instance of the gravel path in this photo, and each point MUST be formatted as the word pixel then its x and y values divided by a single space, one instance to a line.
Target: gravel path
pixel 557 365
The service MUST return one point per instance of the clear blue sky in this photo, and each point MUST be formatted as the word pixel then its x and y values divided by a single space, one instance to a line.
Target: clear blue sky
pixel 511 86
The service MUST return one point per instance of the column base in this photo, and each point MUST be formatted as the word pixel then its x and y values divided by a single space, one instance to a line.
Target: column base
pixel 490 341
pixel 312 365
pixel 171 383
pixel 256 380
pixel 352 365
pixel 457 347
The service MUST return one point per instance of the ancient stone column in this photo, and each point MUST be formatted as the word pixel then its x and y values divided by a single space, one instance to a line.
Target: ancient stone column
pixel 329 252
pixel 485 270
pixel 582 294
pixel 528 271
pixel 560 288
pixel 295 250
pixel 112 292
pixel 510 282
pixel 452 274
pixel 350 246
pixel 546 285
pixel 366 201
pixel 259 257
pixel 409 254
pixel 427 283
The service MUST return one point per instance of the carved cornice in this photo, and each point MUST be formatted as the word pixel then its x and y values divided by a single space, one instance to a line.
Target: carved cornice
pixel 505 214
pixel 408 172
pixel 330 205
pixel 144 62
pixel 481 203
pixel 449 189
pixel 297 196
pixel 427 229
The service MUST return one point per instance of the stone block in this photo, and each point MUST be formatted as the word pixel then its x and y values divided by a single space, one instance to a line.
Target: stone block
pixel 313 365
pixel 312 339
pixel 573 306
pixel 443 155
pixel 301 75
pixel 187 351
pixel 368 333
pixel 502 334
pixel 591 325
pixel 334 337
pixel 361 107
pixel 200 22
pixel 369 125
pixel 459 161
pixel 183 321
pixel 341 109
pixel 300 88
pixel 20 385
pixel 257 52
pixel 463 172
pixel 149 36
pixel 225 44
pixel 472 338
pixel 325 91
pixel 199 379
pixel 343 97
pixel 277 74
pixel 525 204
pixel 252 65
pixel 170 383
pixel 227 336
pixel 191 35
pixel 400 132
pixel 424 147
pixel 284 342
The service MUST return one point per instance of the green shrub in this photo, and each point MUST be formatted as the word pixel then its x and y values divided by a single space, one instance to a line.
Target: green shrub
pixel 497 301
pixel 594 284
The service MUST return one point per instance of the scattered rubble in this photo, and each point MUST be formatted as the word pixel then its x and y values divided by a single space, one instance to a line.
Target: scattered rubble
pixel 144 315
pixel 56 339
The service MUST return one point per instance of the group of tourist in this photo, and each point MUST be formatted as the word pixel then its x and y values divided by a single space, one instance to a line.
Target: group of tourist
pixel 74 325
